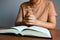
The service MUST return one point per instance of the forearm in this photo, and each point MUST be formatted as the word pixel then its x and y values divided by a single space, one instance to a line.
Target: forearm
pixel 48 25
pixel 18 23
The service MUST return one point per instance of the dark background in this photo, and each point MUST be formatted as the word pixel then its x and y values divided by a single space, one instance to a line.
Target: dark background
pixel 9 10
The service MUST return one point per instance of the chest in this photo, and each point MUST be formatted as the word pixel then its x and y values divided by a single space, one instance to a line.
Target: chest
pixel 40 13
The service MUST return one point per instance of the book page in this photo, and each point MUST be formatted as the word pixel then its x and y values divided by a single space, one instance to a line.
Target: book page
pixel 20 28
pixel 9 31
pixel 35 33
pixel 16 29
pixel 40 29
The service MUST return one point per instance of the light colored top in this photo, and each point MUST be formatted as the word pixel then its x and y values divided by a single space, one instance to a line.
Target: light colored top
pixel 42 11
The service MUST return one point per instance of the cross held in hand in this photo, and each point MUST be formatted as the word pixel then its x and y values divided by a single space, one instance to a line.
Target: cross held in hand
pixel 28 8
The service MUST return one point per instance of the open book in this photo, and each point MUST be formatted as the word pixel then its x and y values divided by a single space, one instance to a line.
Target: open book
pixel 28 31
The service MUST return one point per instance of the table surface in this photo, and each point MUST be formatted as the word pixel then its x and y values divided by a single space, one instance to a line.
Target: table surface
pixel 55 35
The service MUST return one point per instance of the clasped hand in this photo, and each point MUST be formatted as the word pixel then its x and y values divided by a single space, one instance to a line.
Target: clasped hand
pixel 30 19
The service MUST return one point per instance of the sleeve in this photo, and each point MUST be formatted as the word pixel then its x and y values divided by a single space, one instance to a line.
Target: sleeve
pixel 52 11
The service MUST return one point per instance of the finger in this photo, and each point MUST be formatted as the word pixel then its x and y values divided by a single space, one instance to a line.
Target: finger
pixel 29 23
pixel 27 16
pixel 30 18
pixel 31 15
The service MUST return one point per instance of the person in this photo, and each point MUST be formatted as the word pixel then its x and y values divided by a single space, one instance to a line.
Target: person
pixel 37 13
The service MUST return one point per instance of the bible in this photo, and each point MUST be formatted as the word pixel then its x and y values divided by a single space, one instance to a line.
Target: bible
pixel 34 31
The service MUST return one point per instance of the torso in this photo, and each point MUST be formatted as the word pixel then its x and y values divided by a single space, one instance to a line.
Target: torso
pixel 39 13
